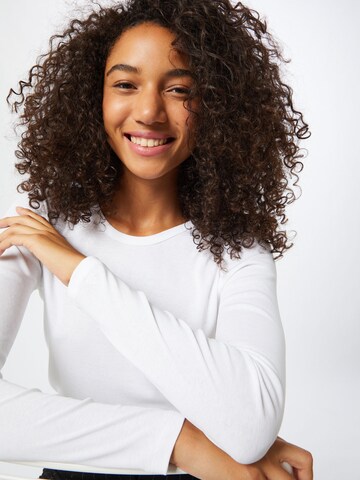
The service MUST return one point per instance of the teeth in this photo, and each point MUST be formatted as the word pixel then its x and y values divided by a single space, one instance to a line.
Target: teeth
pixel 148 142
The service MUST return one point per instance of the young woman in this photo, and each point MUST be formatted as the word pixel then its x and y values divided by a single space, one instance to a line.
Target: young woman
pixel 158 144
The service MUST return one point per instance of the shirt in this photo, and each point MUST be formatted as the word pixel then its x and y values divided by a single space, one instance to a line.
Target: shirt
pixel 149 332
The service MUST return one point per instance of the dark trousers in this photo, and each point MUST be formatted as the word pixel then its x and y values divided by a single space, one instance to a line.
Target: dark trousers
pixel 52 474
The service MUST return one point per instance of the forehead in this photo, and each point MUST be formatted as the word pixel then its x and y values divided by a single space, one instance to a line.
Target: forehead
pixel 146 44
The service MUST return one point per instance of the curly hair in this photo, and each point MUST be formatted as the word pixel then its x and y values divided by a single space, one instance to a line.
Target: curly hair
pixel 234 187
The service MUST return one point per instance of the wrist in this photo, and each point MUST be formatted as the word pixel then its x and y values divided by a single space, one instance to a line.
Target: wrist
pixel 195 454
pixel 184 444
pixel 72 262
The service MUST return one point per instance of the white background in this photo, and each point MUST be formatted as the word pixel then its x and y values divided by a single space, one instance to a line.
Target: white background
pixel 318 279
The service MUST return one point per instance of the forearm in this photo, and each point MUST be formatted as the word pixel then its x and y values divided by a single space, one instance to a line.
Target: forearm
pixel 197 455
pixel 241 369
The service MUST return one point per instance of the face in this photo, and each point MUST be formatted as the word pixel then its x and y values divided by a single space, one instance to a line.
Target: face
pixel 145 84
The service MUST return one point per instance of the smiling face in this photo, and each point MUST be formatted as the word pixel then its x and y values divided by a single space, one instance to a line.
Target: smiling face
pixel 145 84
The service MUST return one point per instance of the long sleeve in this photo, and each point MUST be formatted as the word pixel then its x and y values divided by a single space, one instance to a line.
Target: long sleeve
pixel 230 386
pixel 36 426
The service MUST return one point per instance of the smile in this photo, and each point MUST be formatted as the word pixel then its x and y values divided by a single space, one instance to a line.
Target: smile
pixel 149 142
pixel 149 146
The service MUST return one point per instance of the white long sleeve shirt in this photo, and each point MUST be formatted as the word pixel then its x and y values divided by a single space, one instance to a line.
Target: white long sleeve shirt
pixel 148 332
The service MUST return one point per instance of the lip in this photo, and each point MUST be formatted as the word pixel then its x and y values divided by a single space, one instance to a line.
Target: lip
pixel 148 151
pixel 155 135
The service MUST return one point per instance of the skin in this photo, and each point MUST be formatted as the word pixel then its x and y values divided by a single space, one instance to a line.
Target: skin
pixel 146 203
pixel 151 101
pixel 196 454
pixel 193 451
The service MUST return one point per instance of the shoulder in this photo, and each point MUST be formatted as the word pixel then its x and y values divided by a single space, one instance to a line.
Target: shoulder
pixel 255 262
pixel 21 199
pixel 247 254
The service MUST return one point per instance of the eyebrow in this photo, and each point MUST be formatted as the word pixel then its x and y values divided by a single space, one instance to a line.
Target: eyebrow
pixel 176 72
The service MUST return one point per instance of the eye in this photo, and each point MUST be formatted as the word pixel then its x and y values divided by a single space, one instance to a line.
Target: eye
pixel 181 90
pixel 124 86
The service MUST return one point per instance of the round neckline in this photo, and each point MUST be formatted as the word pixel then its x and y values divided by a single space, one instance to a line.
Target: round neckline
pixel 144 239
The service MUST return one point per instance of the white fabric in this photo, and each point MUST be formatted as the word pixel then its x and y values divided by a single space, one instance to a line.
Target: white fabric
pixel 148 332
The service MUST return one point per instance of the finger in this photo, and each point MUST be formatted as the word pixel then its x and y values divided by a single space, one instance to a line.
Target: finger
pixel 30 213
pixel 276 472
pixel 31 236
pixel 304 474
pixel 286 466
pixel 10 235
pixel 19 240
pixel 24 236
pixel 37 222
pixel 299 459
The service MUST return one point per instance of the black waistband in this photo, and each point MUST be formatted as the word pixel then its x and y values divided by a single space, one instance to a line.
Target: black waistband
pixel 52 474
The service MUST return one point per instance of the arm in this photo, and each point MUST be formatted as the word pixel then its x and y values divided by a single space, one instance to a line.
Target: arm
pixel 35 426
pixel 52 428
pixel 194 453
pixel 231 387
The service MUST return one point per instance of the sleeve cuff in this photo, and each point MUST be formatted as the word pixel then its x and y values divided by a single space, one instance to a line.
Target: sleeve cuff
pixel 164 440
pixel 85 270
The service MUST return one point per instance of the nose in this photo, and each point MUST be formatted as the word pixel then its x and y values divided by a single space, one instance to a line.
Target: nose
pixel 149 107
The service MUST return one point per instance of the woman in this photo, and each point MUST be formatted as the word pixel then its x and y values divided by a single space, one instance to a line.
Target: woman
pixel 153 127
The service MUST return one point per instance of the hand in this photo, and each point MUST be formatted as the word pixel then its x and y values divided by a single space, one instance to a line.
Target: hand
pixel 33 232
pixel 195 454
pixel 270 468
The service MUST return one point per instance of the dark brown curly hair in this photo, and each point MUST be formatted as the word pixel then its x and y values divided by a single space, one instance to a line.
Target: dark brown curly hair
pixel 234 186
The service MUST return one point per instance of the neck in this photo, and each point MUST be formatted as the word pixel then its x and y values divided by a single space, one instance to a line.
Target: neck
pixel 144 206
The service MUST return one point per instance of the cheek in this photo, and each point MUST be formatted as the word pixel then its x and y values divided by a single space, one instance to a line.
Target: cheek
pixel 114 112
pixel 183 119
